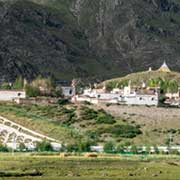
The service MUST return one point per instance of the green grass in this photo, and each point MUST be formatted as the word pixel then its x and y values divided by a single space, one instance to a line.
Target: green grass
pixel 116 168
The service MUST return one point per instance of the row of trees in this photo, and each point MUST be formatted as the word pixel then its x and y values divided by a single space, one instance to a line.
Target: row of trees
pixel 166 86
pixel 17 85
pixel 170 86
pixel 38 87
pixel 109 147
pixel 122 148
pixel 43 146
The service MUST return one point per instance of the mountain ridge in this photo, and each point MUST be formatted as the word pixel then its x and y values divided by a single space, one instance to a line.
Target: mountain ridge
pixel 87 39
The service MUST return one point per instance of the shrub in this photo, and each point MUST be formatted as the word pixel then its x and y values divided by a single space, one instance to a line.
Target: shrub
pixel 125 131
pixel 32 91
pixel 87 103
pixel 105 119
pixel 63 102
pixel 100 116
pixel 88 113
pixel 174 151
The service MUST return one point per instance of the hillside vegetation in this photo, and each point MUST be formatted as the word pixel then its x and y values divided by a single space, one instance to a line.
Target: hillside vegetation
pixel 87 124
pixel 71 124
pixel 137 79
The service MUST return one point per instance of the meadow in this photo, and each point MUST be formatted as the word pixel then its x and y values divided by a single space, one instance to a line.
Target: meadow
pixel 115 167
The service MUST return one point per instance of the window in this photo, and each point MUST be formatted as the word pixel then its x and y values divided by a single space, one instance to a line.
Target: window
pixel 70 91
pixel 19 94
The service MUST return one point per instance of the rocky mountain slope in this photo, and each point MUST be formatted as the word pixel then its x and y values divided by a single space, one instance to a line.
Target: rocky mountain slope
pixel 87 38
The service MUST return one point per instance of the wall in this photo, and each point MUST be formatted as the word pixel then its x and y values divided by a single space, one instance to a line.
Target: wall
pixel 11 95
pixel 151 100
pixel 68 91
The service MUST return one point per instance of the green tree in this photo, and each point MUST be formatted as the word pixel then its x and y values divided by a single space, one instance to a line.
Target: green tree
pixel 156 150
pixel 109 147
pixel 120 148
pixel 153 83
pixel 172 86
pixel 19 83
pixel 148 149
pixel 134 149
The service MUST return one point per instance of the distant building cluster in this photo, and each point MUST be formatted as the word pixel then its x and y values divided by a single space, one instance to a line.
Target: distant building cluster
pixel 129 95
pixel 125 96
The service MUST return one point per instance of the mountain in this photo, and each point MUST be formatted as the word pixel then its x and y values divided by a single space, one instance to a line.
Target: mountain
pixel 91 39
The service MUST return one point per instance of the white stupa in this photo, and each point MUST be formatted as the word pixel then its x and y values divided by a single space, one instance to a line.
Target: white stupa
pixel 164 68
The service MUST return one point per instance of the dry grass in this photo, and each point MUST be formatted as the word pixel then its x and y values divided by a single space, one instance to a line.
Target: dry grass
pixel 138 78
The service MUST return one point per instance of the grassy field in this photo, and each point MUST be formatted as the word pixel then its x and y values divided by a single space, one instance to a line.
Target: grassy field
pixel 114 168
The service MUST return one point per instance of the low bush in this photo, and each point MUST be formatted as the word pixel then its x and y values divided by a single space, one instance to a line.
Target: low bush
pixel 32 91
pixel 125 131
pixel 105 119
pixel 100 116
pixel 63 102
pixel 88 114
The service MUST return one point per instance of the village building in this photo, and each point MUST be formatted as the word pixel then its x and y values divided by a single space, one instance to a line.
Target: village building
pixel 68 91
pixel 139 97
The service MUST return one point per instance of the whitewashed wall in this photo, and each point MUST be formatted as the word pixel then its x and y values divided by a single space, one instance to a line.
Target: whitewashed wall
pixel 151 100
pixel 68 91
pixel 11 95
